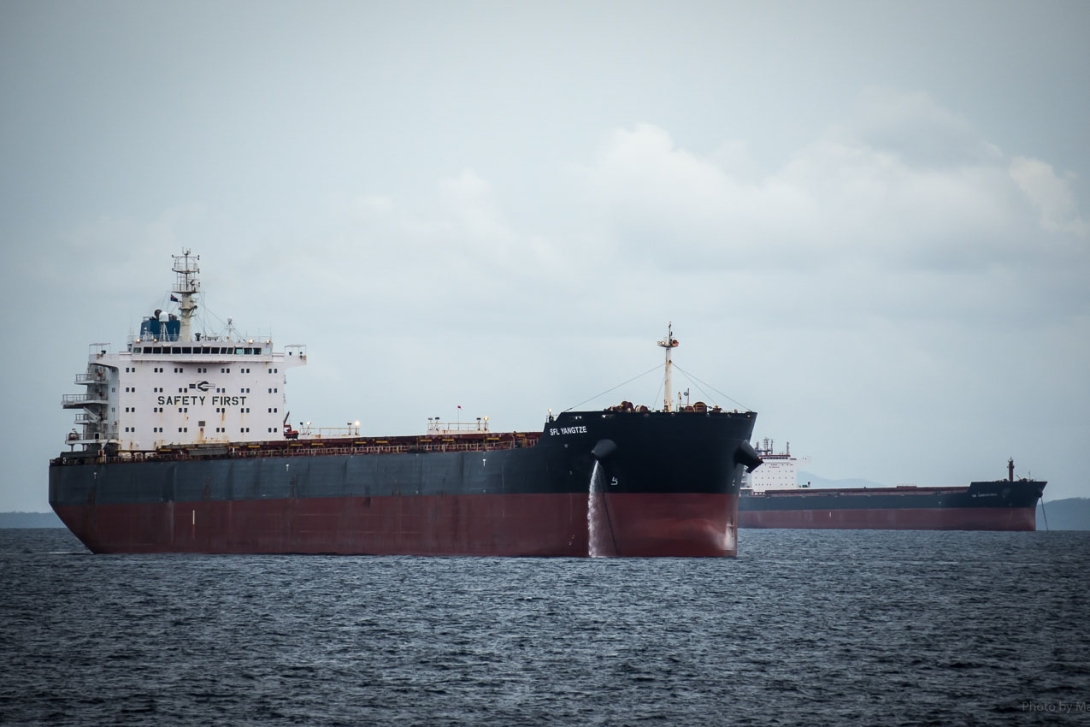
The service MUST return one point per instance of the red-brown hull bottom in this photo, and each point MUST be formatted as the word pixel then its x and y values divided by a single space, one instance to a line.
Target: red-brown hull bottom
pixel 961 518
pixel 638 525
pixel 687 526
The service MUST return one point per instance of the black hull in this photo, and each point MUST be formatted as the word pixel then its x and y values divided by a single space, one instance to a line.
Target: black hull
pixel 999 505
pixel 656 472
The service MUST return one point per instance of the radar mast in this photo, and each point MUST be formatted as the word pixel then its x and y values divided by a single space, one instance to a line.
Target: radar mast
pixel 186 287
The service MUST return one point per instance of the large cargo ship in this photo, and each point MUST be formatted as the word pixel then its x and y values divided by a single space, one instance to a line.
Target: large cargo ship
pixel 773 498
pixel 183 444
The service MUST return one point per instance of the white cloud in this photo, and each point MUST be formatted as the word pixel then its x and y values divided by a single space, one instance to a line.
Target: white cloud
pixel 846 226
pixel 1050 194
pixel 916 129
pixel 906 183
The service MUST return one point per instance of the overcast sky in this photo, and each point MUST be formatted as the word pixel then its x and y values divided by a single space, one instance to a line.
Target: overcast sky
pixel 868 222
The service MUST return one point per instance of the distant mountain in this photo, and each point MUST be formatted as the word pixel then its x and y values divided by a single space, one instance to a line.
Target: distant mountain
pixel 30 520
pixel 816 481
pixel 1070 514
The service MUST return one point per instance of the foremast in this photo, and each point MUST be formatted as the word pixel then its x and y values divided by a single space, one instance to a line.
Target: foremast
pixel 669 343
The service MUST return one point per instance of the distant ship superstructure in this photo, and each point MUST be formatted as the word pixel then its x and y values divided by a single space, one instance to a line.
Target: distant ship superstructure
pixel 778 471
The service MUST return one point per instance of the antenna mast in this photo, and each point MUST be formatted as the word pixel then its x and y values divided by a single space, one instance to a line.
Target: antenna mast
pixel 669 343
pixel 186 286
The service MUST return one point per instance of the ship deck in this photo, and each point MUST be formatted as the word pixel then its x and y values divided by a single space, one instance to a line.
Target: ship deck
pixel 475 442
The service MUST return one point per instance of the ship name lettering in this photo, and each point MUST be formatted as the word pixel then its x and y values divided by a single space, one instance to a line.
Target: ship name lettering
pixel 553 431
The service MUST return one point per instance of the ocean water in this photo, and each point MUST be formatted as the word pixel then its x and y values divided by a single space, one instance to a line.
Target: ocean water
pixel 809 628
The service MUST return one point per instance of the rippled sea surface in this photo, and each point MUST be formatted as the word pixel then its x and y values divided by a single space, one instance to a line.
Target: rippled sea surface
pixel 804 627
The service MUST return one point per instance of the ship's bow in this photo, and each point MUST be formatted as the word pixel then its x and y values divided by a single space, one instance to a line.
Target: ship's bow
pixel 661 484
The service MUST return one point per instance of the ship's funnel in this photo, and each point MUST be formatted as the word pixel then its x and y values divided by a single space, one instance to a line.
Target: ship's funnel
pixel 746 455
pixel 604 449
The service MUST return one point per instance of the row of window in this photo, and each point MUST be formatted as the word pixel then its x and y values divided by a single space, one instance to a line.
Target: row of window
pixel 185 410
pixel 181 430
pixel 182 390
pixel 201 350
pixel 200 370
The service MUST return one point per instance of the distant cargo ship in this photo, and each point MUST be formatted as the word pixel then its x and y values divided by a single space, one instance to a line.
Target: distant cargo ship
pixel 771 497
pixel 184 445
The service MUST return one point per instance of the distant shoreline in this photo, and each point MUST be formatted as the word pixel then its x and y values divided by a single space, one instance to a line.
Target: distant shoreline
pixel 17 520
pixel 1072 513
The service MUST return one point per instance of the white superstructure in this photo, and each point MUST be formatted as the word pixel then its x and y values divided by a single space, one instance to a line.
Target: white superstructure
pixel 173 386
pixel 777 472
